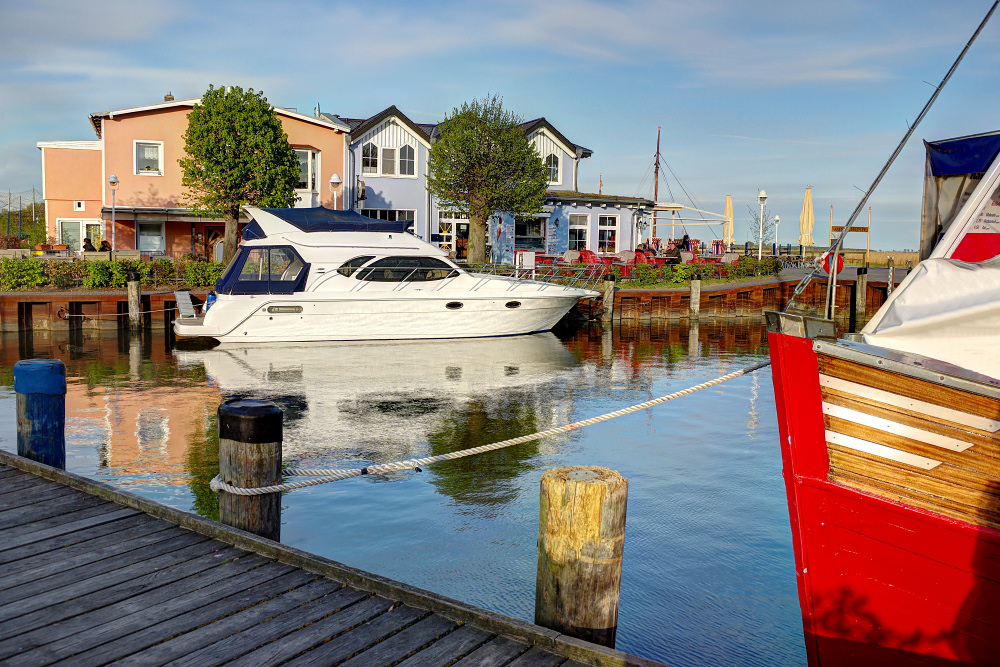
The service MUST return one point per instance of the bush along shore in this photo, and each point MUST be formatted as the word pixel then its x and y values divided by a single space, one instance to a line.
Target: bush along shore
pixel 746 268
pixel 34 274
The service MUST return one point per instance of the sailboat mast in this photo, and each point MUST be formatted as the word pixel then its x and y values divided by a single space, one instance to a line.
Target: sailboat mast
pixel 656 180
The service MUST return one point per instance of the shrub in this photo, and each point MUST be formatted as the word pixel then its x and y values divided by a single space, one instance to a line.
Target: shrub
pixel 18 274
pixel 159 272
pixel 12 241
pixel 203 274
pixel 64 275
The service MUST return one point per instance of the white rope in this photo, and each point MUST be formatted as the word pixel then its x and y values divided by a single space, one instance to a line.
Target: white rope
pixel 322 476
pixel 64 314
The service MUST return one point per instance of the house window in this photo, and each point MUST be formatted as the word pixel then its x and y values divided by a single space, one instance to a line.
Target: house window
pixel 149 158
pixel 407 163
pixel 578 224
pixel 307 169
pixel 390 214
pixel 607 233
pixel 369 159
pixel 151 237
pixel 388 161
pixel 552 164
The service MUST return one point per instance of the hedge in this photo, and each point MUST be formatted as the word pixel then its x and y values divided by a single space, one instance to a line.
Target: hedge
pixel 32 272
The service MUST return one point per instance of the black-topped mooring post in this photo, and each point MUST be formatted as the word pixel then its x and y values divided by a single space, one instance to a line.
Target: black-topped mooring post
pixel 250 457
pixel 40 386
pixel 134 302
pixel 581 534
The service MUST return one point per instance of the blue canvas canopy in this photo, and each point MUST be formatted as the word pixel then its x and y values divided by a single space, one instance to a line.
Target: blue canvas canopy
pixel 965 155
pixel 320 219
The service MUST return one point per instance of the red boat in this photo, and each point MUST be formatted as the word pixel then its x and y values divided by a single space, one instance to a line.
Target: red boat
pixel 890 443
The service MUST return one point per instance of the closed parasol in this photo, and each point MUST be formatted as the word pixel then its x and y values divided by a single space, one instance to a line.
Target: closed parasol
pixel 727 227
pixel 807 219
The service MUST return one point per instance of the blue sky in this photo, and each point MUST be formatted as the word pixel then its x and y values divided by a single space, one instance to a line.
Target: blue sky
pixel 771 94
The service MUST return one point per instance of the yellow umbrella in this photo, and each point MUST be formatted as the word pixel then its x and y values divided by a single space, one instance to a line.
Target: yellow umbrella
pixel 727 227
pixel 807 219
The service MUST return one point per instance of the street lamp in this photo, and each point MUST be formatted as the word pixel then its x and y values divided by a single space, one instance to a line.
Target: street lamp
pixel 113 182
pixel 335 183
pixel 761 197
pixel 777 221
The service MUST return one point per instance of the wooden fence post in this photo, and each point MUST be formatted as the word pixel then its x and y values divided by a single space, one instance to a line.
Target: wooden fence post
pixel 40 386
pixel 581 532
pixel 250 457
pixel 609 298
pixel 134 303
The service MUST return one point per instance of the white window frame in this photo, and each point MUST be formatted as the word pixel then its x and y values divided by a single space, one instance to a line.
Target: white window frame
pixel 548 169
pixel 615 229
pixel 135 157
pixel 312 171
pixel 374 169
pixel 82 224
pixel 584 226
pixel 390 162
pixel 399 161
pixel 163 237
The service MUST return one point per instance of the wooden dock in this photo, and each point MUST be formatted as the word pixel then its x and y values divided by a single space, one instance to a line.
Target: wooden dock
pixel 91 575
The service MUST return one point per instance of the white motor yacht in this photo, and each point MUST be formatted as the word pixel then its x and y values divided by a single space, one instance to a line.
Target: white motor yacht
pixel 317 274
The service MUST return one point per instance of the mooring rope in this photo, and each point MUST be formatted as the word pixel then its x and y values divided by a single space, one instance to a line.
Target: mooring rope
pixel 324 476
pixel 63 314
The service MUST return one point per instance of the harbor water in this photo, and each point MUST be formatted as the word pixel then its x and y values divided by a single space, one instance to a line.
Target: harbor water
pixel 708 575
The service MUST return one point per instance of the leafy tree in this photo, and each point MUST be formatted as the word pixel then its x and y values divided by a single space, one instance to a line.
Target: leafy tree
pixel 237 154
pixel 484 163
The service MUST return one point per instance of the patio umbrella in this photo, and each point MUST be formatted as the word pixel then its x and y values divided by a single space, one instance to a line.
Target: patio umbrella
pixel 727 227
pixel 807 219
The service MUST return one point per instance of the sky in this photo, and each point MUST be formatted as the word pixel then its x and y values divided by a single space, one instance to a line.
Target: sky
pixel 771 94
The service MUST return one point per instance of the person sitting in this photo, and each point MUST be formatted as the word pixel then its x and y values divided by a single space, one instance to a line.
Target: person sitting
pixel 105 246
pixel 672 254
pixel 88 246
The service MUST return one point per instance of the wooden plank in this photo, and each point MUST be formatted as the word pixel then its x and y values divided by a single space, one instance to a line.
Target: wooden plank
pixel 36 513
pixel 104 591
pixel 189 632
pixel 404 643
pixel 536 657
pixel 79 521
pixel 912 387
pixel 95 610
pixel 12 500
pixel 87 577
pixel 360 638
pixel 21 484
pixel 499 651
pixel 289 634
pixel 131 633
pixel 54 561
pixel 11 557
pixel 455 645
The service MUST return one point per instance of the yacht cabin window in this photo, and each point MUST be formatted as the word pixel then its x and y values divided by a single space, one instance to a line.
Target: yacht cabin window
pixel 352 265
pixel 264 270
pixel 406 269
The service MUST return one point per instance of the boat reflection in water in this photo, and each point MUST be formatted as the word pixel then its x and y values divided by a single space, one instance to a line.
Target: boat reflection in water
pixel 362 403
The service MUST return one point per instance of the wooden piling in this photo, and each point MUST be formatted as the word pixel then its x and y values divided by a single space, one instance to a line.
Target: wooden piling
pixel 609 298
pixel 581 532
pixel 40 387
pixel 134 303
pixel 250 457
pixel 694 306
pixel 859 310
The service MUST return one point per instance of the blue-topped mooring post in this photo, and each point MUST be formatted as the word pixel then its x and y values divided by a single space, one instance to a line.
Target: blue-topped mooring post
pixel 250 434
pixel 40 386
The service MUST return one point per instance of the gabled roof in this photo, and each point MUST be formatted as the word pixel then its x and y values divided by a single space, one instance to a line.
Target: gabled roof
pixel 325 120
pixel 423 132
pixel 541 123
pixel 556 196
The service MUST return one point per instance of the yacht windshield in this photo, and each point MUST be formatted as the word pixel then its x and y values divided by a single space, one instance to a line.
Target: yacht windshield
pixel 406 269
pixel 264 270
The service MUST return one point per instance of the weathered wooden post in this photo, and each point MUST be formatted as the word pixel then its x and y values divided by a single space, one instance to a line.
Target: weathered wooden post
pixel 890 284
pixel 250 457
pixel 134 303
pixel 609 298
pixel 40 385
pixel 694 304
pixel 860 310
pixel 581 532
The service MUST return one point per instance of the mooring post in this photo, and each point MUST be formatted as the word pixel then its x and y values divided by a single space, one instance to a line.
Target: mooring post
pixel 609 298
pixel 581 532
pixel 134 302
pixel 40 387
pixel 694 303
pixel 860 313
pixel 890 284
pixel 250 457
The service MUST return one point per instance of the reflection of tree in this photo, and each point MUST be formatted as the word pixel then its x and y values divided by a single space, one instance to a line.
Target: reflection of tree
pixel 203 464
pixel 484 480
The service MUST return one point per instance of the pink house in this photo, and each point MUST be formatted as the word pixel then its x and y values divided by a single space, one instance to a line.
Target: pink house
pixel 141 146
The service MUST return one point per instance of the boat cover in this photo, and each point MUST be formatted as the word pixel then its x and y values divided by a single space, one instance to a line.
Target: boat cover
pixel 944 309
pixel 318 219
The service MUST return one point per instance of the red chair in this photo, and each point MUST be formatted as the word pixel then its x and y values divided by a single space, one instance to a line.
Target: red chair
pixel 590 257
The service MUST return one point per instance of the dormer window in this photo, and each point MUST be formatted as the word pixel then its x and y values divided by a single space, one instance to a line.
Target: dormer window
pixel 369 159
pixel 552 164
pixel 149 158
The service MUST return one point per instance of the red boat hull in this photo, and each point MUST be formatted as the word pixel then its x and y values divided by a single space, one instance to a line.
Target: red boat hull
pixel 880 582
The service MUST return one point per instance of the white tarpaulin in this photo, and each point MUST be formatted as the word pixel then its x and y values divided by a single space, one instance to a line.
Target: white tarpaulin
pixel 945 309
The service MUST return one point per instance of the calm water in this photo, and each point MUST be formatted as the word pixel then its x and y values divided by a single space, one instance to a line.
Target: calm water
pixel 708 572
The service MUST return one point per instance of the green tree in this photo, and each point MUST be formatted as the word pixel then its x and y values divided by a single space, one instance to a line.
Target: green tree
pixel 237 155
pixel 484 163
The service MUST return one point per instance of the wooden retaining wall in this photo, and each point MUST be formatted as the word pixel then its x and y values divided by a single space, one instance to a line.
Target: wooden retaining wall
pixel 64 311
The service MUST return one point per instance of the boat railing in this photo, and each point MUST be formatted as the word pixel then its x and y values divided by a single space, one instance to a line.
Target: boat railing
pixel 579 276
